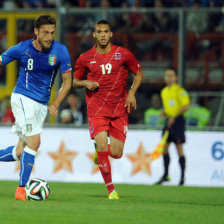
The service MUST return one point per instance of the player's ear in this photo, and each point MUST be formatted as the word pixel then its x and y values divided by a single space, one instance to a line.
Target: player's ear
pixel 94 36
pixel 35 31
pixel 111 34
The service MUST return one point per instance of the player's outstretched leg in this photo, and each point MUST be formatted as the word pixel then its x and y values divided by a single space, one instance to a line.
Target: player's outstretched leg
pixel 8 154
pixel 26 165
pixel 105 169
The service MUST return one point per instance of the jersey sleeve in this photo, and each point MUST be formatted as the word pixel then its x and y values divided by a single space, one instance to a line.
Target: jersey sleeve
pixel 11 54
pixel 65 65
pixel 183 97
pixel 132 63
pixel 80 68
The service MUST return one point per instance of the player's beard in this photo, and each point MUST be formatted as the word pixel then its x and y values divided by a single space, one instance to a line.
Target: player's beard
pixel 43 45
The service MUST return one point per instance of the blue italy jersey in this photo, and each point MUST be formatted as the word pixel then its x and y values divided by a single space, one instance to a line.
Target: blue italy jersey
pixel 38 69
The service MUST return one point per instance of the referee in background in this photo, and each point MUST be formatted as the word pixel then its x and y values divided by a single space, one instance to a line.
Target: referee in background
pixel 175 101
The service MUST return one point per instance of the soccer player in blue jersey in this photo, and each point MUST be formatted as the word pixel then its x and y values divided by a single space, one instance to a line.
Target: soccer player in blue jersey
pixel 40 58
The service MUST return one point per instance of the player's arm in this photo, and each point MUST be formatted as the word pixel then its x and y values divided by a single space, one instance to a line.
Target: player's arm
pixel 63 91
pixel 80 71
pixel 11 54
pixel 130 99
pixel 65 69
pixel 171 120
pixel 91 85
pixel 134 66
pixel 183 110
pixel 184 98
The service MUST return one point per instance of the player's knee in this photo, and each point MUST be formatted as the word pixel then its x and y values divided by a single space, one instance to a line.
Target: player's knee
pixel 117 153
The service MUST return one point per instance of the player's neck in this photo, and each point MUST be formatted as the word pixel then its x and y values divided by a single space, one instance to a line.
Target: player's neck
pixel 37 45
pixel 103 49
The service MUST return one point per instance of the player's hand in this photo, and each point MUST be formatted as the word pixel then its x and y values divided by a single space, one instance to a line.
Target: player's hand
pixel 91 85
pixel 171 121
pixel 53 110
pixel 130 102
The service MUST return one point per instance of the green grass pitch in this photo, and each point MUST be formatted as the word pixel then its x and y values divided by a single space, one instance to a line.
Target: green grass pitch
pixel 88 203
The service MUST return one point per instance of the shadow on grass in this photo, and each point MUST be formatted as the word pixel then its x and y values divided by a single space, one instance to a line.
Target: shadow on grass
pixel 96 195
pixel 194 203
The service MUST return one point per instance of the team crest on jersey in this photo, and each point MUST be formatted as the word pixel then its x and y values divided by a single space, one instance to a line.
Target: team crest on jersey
pixel 52 59
pixel 117 56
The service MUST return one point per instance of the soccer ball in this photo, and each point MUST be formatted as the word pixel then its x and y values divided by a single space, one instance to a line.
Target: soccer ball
pixel 37 190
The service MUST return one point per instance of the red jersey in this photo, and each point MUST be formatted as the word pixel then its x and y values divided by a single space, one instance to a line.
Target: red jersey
pixel 110 70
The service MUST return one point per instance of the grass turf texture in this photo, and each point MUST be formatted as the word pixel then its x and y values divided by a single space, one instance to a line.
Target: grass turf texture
pixel 88 203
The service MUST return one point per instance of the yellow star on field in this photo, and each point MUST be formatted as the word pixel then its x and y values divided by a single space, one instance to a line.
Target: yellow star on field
pixel 63 158
pixel 140 161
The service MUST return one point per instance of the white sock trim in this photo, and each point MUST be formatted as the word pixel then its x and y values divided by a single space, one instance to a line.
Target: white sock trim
pixel 14 154
pixel 30 151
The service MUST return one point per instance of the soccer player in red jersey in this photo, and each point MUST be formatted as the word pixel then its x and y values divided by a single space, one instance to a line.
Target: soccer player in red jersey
pixel 108 103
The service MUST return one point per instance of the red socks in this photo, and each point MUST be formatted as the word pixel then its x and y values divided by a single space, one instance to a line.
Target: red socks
pixel 105 169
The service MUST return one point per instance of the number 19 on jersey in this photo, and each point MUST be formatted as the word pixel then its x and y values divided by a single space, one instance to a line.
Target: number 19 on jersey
pixel 106 69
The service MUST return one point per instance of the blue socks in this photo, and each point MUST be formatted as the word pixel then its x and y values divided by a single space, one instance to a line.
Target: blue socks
pixel 26 161
pixel 8 154
pixel 26 165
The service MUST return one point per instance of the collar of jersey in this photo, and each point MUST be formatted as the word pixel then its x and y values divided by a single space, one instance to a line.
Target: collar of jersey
pixel 112 47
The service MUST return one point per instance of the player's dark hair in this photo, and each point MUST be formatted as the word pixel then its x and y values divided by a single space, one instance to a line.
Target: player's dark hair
pixel 43 20
pixel 103 21
pixel 173 69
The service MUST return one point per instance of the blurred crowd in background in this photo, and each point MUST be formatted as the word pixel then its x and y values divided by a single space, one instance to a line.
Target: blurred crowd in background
pixel 133 30
pixel 134 22
pixel 104 3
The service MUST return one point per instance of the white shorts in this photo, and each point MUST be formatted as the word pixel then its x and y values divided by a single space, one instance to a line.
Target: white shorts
pixel 29 114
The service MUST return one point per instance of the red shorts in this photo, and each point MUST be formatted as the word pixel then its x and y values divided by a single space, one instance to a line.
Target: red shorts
pixel 116 127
